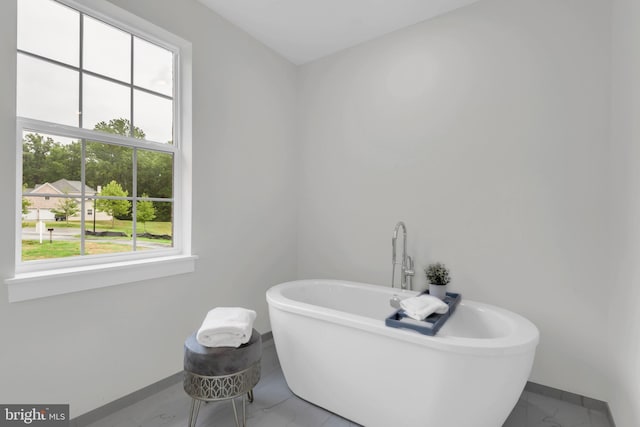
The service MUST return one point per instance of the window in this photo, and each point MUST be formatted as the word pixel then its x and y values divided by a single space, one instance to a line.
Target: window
pixel 103 143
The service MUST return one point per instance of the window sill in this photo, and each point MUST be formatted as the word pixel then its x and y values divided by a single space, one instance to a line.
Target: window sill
pixel 42 284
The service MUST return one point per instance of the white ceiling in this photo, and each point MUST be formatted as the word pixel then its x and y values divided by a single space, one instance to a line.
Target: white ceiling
pixel 305 30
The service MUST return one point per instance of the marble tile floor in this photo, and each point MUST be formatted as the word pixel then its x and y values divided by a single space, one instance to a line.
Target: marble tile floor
pixel 276 406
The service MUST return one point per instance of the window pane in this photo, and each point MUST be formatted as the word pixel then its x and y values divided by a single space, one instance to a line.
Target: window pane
pixel 109 169
pixel 51 160
pixel 154 115
pixel 152 67
pixel 46 91
pixel 52 235
pixel 155 174
pixel 50 170
pixel 102 102
pixel 49 29
pixel 155 225
pixel 103 233
pixel 106 50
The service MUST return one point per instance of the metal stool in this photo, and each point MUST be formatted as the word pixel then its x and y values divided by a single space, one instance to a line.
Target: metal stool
pixel 220 373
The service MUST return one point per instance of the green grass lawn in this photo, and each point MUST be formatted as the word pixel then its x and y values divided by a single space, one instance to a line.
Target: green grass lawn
pixel 119 225
pixel 33 249
pixel 94 245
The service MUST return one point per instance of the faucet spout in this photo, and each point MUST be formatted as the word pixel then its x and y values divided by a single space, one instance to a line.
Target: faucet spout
pixel 406 263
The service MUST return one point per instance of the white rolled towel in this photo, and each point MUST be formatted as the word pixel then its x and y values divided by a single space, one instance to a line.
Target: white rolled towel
pixel 423 306
pixel 226 327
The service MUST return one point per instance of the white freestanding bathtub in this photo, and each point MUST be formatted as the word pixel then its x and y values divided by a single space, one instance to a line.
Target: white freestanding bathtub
pixel 336 352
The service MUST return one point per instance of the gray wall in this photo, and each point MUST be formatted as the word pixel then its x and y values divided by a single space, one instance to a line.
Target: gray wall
pixel 486 131
pixel 623 351
pixel 92 347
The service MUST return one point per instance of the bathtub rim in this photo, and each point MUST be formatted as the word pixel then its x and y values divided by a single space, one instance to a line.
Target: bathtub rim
pixel 523 337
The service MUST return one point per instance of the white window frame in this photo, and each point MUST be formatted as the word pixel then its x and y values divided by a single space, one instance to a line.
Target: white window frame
pixel 60 276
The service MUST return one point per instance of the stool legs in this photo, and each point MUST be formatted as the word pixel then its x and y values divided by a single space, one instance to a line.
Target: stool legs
pixel 235 412
pixel 193 413
pixel 244 413
pixel 195 408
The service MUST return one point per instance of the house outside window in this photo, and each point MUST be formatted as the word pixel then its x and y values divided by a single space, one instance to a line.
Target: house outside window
pixel 103 134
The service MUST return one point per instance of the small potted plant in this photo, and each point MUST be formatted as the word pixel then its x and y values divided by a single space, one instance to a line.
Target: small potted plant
pixel 438 278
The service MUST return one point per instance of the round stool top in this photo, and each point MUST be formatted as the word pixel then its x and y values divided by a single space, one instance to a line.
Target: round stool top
pixel 218 361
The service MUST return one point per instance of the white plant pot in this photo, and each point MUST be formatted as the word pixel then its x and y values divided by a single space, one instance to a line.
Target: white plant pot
pixel 438 291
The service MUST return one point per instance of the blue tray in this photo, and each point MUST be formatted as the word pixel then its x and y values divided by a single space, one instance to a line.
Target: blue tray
pixel 430 325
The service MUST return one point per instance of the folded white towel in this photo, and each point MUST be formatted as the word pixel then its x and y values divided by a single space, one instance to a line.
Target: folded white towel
pixel 226 327
pixel 422 306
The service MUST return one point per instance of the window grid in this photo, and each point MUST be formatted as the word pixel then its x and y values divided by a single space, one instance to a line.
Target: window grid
pixel 36 126
pixel 94 74
pixel 83 156
pixel 33 125
pixel 82 71
pixel 80 82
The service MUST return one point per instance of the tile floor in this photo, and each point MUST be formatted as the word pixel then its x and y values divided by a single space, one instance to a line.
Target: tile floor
pixel 276 406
